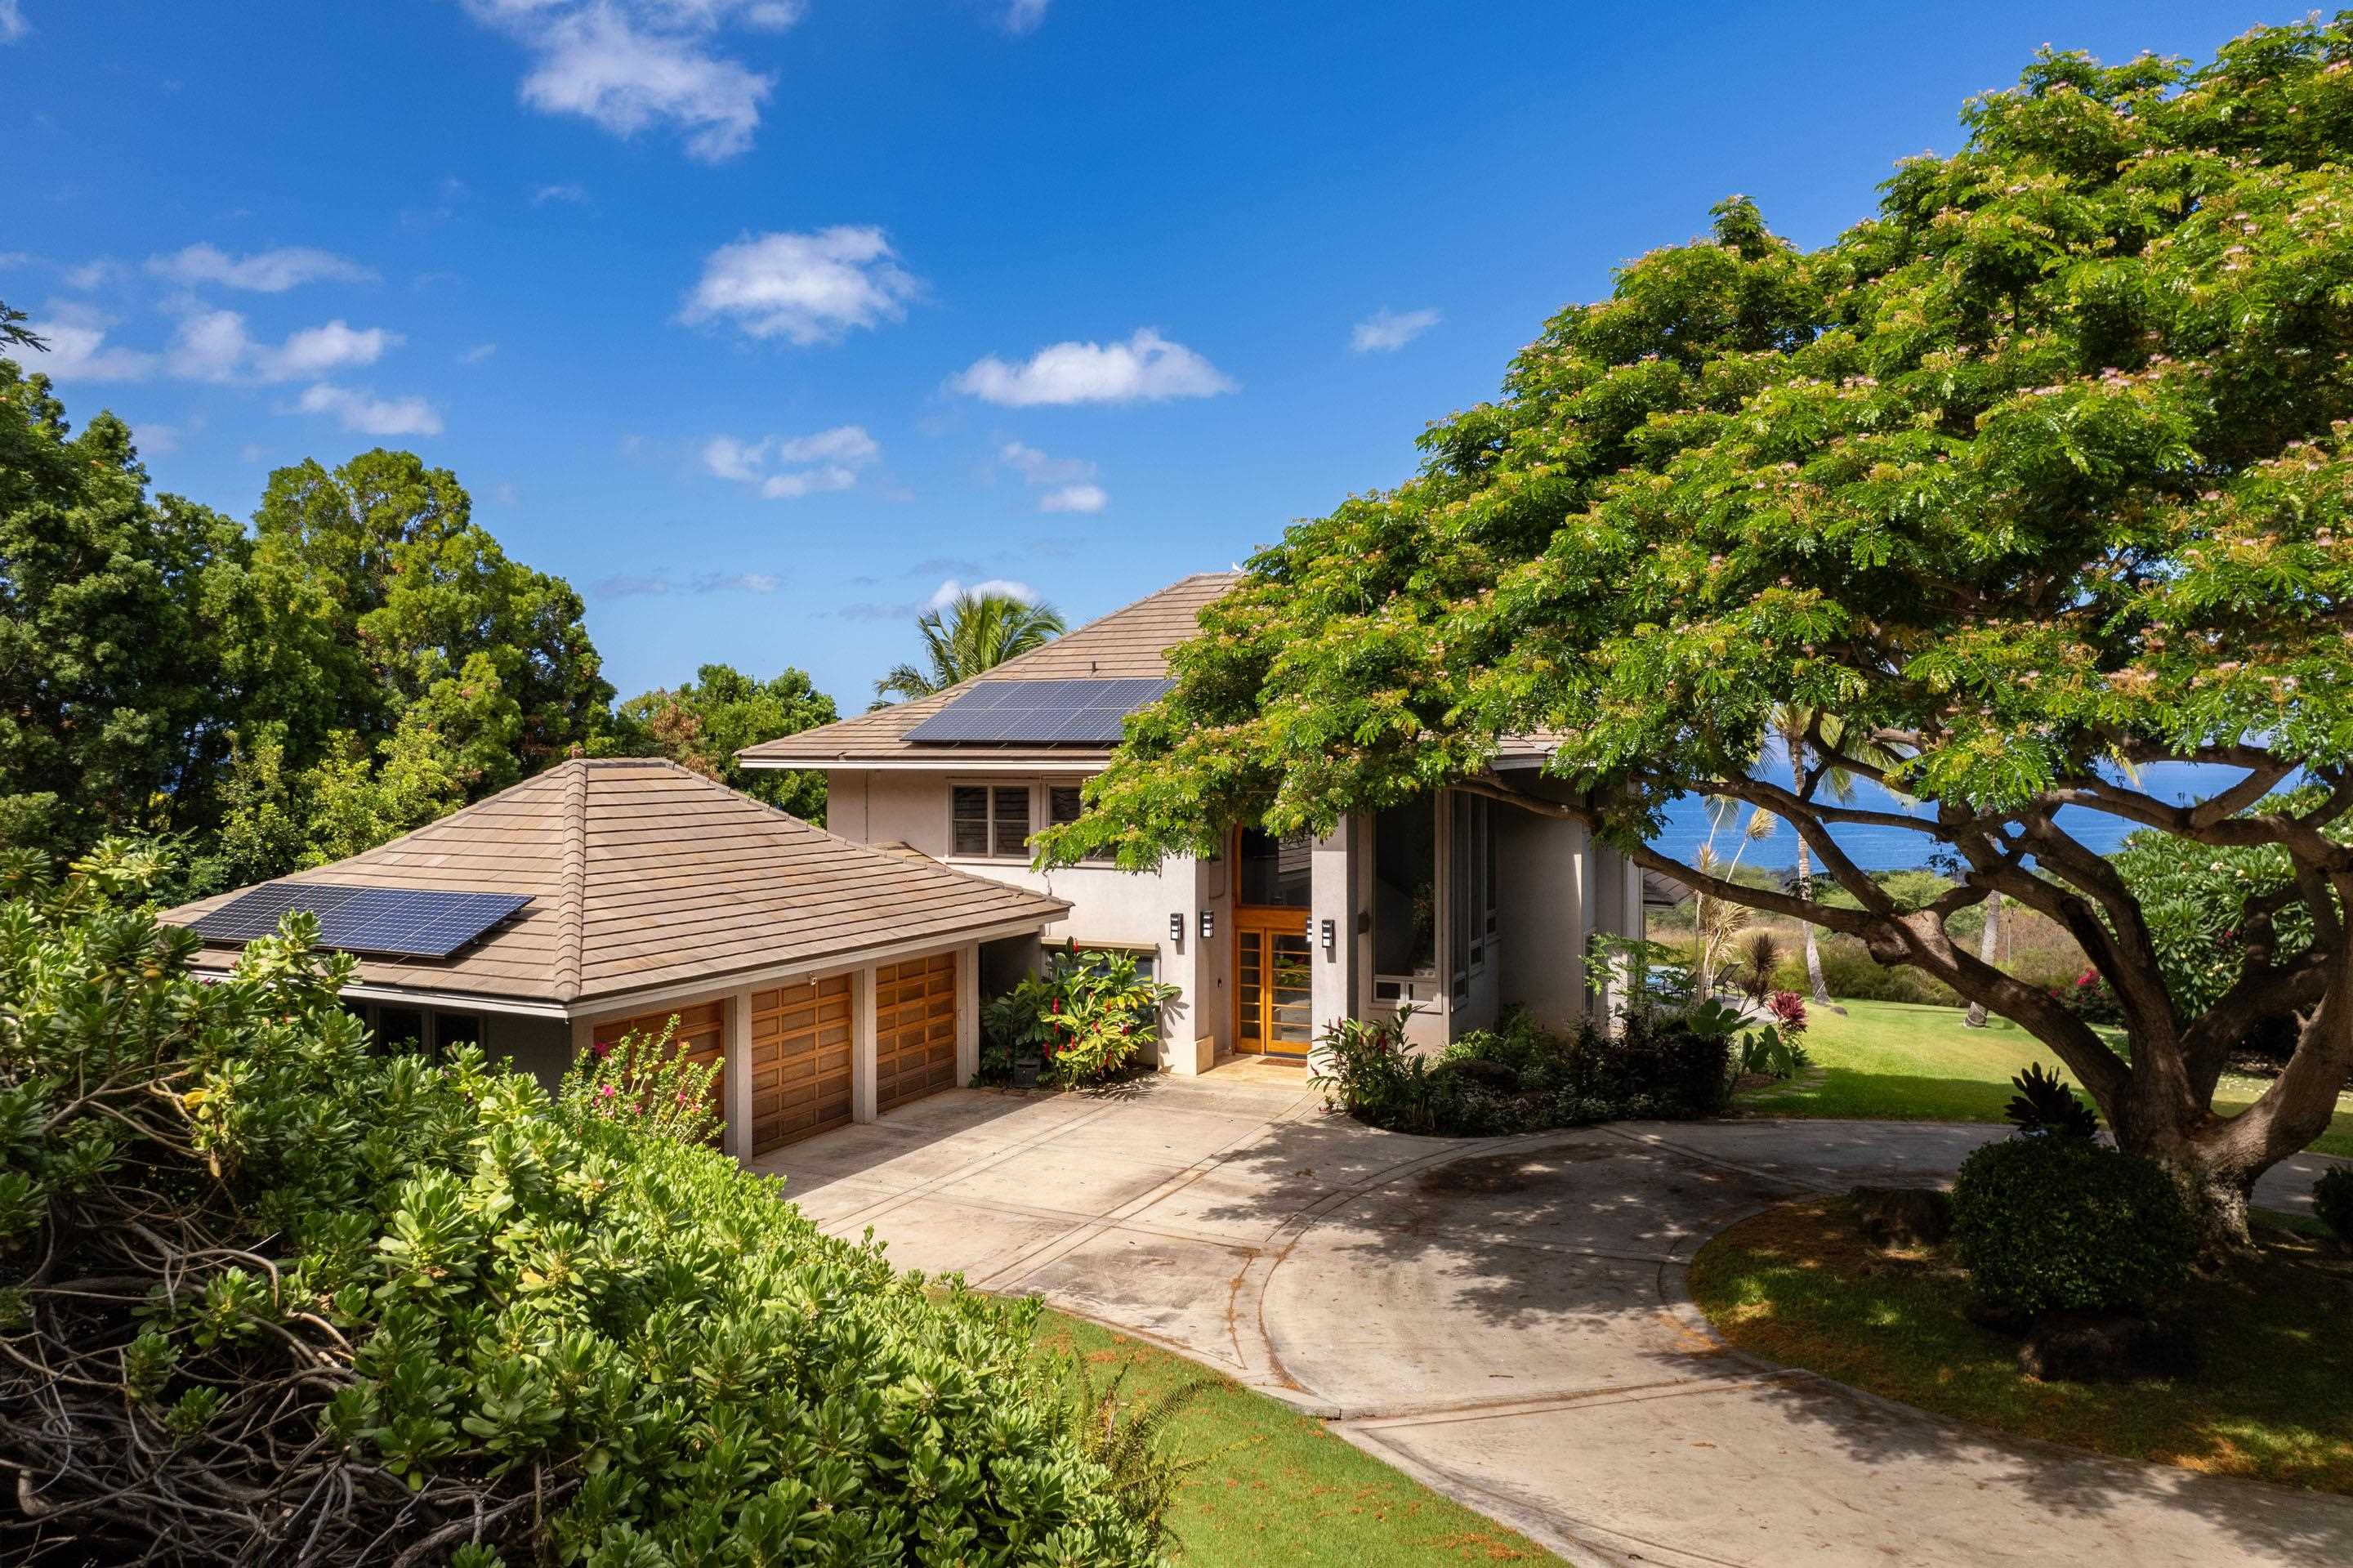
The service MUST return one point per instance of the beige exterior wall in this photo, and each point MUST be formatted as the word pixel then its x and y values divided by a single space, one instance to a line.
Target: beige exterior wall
pixel 1109 907
pixel 1554 889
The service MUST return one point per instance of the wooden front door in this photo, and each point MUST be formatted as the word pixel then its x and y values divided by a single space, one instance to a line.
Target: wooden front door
pixel 800 1062
pixel 1274 1010
pixel 700 1037
pixel 914 1029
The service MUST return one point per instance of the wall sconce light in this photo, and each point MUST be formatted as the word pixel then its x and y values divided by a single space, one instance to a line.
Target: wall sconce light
pixel 1209 924
pixel 1175 930
pixel 1331 934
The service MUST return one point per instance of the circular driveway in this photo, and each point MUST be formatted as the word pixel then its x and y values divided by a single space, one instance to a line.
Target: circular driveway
pixel 1506 1318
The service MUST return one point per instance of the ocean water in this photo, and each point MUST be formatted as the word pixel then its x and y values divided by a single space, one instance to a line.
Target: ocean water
pixel 1893 849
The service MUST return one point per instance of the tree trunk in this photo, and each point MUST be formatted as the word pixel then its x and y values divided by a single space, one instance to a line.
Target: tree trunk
pixel 1822 997
pixel 1989 948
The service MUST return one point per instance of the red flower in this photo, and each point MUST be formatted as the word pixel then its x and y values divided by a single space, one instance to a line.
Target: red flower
pixel 2087 978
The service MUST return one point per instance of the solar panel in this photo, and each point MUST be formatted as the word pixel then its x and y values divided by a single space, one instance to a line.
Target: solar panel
pixel 397 921
pixel 1054 712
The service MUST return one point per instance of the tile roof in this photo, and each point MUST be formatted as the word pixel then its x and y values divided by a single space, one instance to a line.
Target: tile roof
pixel 643 874
pixel 1132 642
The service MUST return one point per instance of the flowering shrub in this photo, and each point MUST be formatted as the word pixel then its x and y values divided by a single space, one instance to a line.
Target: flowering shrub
pixel 1086 1018
pixel 276 1295
pixel 2091 999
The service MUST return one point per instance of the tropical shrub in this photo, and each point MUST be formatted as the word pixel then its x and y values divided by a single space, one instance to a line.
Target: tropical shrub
pixel 2048 1224
pixel 2090 998
pixel 272 1295
pixel 2044 1105
pixel 1772 1050
pixel 1521 1078
pixel 1085 1019
pixel 1851 974
pixel 2332 1200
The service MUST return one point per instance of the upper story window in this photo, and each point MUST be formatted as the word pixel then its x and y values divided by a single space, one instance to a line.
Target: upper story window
pixel 1063 804
pixel 989 820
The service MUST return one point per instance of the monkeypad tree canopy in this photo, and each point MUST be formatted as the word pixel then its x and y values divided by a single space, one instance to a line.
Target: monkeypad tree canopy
pixel 2038 477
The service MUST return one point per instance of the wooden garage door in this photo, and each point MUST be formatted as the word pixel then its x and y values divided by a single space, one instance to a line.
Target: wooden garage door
pixel 914 1029
pixel 702 1035
pixel 800 1062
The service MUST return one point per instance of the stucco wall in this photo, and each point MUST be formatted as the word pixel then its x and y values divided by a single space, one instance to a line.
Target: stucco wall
pixel 1109 907
pixel 1540 910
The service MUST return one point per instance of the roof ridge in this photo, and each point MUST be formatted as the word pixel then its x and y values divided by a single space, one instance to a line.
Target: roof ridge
pixel 571 938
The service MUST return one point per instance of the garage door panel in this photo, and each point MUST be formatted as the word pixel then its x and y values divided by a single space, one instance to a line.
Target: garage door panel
pixel 914 1029
pixel 800 1062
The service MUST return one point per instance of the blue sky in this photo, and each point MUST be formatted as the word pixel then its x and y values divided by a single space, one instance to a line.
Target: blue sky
pixel 762 320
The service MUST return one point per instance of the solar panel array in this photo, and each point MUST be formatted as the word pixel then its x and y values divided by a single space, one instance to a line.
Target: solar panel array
pixel 1065 713
pixel 393 921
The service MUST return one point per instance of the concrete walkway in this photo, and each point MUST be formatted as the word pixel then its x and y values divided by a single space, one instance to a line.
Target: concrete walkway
pixel 1506 1318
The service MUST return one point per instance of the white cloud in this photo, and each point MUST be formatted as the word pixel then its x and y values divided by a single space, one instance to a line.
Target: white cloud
pixel 210 345
pixel 809 287
pixel 787 467
pixel 79 350
pixel 90 274
pixel 213 345
pixel 1087 498
pixel 946 593
pixel 1022 16
pixel 315 351
pixel 162 440
pixel 263 272
pixel 12 22
pixel 628 65
pixel 559 192
pixel 478 353
pixel 1065 479
pixel 1147 367
pixel 369 415
pixel 1388 330
pixel 1039 469
pixel 737 582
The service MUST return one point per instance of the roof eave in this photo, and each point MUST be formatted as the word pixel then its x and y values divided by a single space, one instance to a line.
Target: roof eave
pixel 948 762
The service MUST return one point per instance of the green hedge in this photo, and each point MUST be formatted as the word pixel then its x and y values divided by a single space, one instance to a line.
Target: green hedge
pixel 296 1290
pixel 2049 1222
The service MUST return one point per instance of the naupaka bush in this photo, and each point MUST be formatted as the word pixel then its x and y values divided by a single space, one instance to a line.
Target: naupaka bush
pixel 272 1295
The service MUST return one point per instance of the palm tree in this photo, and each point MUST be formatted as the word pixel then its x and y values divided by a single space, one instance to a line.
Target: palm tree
pixel 1795 725
pixel 1716 921
pixel 1988 949
pixel 970 633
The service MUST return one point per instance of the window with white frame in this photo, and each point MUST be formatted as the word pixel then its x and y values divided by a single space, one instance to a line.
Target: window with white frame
pixel 989 821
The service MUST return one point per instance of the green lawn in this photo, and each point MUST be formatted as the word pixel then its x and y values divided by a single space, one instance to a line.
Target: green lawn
pixel 1903 1062
pixel 1798 1287
pixel 1281 1490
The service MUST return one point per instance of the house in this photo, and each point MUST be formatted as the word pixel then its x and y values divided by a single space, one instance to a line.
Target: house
pixel 1456 905
pixel 837 980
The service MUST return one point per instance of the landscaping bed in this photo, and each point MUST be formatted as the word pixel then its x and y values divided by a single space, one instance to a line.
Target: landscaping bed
pixel 1280 1486
pixel 1800 1285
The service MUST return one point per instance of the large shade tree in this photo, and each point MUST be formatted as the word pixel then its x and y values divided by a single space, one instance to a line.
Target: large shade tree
pixel 2036 479
pixel 704 722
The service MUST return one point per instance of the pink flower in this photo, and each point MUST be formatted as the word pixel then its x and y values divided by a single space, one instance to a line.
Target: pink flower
pixel 605 1090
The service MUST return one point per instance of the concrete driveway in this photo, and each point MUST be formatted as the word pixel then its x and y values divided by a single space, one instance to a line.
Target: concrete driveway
pixel 1506 1318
